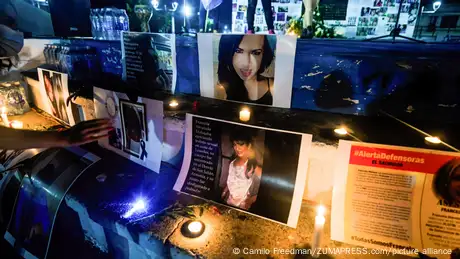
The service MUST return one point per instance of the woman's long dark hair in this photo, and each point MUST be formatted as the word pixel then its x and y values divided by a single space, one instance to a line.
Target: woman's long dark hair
pixel 243 136
pixel 442 180
pixel 227 75
pixel 133 122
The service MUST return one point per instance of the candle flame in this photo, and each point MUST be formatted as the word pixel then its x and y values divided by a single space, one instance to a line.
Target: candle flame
pixel 320 210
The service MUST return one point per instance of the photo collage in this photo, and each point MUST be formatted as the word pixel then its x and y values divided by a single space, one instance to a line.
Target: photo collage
pixel 379 17
pixel 282 11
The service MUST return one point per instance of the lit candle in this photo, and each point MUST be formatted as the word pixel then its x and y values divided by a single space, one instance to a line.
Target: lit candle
pixel 5 117
pixel 319 229
pixel 173 104
pixel 16 124
pixel 245 114
pixel 195 227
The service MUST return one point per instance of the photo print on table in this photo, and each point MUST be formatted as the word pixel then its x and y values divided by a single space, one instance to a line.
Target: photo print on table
pixel 55 92
pixel 242 166
pixel 250 72
pixel 134 128
pixel 149 60
pixel 281 17
pixel 138 127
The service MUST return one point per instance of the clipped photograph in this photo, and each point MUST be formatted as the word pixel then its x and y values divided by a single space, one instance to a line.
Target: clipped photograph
pixel 281 17
pixel 133 128
pixel 240 15
pixel 283 9
pixel 56 91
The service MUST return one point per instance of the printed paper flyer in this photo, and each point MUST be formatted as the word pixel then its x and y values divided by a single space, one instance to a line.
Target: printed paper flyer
pixel 256 69
pixel 138 133
pixel 257 170
pixel 392 197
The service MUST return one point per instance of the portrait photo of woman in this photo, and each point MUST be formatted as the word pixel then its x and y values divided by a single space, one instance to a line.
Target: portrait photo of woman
pixel 57 95
pixel 241 176
pixel 244 69
pixel 446 183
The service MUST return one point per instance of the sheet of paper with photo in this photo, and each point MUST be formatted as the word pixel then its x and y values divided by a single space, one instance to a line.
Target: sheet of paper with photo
pixel 145 117
pixel 149 59
pixel 395 197
pixel 256 170
pixel 230 75
pixel 54 92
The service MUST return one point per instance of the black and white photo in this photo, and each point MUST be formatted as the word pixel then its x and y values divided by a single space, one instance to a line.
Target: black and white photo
pixel 55 91
pixel 133 128
pixel 138 127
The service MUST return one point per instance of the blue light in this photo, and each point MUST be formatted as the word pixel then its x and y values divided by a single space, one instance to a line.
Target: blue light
pixel 138 206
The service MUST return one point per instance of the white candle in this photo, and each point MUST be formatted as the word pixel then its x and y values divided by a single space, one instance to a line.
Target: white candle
pixel 320 220
pixel 5 117
pixel 17 124
pixel 245 115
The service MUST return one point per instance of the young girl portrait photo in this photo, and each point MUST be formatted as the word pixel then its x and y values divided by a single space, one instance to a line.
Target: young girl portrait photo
pixel 242 170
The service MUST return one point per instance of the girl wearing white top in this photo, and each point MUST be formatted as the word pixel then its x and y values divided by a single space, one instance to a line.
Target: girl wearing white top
pixel 244 174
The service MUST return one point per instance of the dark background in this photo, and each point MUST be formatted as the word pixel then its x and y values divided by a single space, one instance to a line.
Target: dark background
pixel 278 175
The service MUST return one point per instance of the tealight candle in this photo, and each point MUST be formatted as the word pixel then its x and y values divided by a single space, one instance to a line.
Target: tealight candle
pixel 320 220
pixel 16 124
pixel 245 115
pixel 173 104
pixel 5 117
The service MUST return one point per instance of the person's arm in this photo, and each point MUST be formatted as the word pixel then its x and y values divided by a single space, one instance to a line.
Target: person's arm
pixel 82 133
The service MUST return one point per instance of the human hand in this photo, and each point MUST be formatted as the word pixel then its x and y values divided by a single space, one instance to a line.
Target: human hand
pixel 86 132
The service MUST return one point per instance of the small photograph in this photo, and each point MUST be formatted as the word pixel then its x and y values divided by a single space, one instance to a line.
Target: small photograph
pixel 279 26
pixel 405 8
pixel 403 28
pixel 371 31
pixel 382 11
pixel 134 128
pixel 242 8
pixel 413 9
pixel 378 3
pixel 283 9
pixel 446 183
pixel 390 3
pixel 56 90
pixel 242 162
pixel 284 1
pixel 259 19
pixel 412 19
pixel 392 18
pixel 373 21
pixel 259 11
pixel 363 21
pixel 239 26
pixel 351 21
pixel 281 17
pixel 234 7
pixel 240 15
pixel 361 31
pixel 365 11
pixel 374 11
